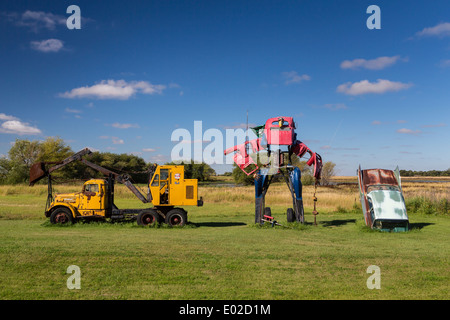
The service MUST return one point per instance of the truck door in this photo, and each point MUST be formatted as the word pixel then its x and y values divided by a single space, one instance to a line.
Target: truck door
pixel 93 196
pixel 160 187
pixel 164 186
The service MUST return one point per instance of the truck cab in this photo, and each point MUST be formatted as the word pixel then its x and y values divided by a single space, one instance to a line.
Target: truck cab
pixel 169 188
pixel 91 201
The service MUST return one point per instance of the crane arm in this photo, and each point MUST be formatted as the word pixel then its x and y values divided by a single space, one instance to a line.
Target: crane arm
pixel 38 171
pixel 299 148
pixel 122 178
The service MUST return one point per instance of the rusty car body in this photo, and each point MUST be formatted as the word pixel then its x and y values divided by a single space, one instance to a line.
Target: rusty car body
pixel 382 199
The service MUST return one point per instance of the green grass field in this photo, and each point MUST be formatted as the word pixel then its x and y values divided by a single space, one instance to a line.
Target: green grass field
pixel 220 254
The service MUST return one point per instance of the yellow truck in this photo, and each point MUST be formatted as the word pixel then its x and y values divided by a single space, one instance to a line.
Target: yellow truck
pixel 167 190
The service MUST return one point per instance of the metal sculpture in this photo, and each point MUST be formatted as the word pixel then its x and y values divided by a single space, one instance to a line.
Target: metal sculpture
pixel 278 140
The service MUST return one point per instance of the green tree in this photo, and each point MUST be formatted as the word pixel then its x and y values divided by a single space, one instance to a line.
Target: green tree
pixel 200 171
pixel 53 149
pixel 21 156
pixel 5 169
pixel 241 177
pixel 328 171
pixel 24 153
pixel 123 163
pixel 307 171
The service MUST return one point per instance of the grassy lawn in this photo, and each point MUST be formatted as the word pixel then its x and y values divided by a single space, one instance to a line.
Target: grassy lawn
pixel 221 254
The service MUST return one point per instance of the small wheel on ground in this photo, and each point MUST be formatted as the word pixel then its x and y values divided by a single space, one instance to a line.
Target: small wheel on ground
pixel 147 218
pixel 176 217
pixel 61 216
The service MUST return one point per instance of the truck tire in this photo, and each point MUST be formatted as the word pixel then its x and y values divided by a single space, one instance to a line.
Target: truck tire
pixel 290 215
pixel 61 216
pixel 176 217
pixel 147 218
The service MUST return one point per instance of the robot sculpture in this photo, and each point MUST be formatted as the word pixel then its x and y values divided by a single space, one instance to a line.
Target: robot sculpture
pixel 271 155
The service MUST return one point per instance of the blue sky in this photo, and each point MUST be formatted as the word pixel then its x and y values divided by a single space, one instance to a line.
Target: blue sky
pixel 138 70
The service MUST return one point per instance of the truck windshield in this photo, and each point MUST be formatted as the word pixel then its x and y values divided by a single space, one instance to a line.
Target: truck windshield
pixel 155 181
pixel 164 174
pixel 91 187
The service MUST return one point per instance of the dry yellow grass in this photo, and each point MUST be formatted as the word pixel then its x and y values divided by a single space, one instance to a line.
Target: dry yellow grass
pixel 343 196
pixel 330 198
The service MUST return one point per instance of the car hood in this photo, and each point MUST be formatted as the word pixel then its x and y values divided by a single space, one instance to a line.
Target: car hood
pixel 388 204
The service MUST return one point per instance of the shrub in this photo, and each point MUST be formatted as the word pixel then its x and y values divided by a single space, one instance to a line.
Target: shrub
pixel 427 206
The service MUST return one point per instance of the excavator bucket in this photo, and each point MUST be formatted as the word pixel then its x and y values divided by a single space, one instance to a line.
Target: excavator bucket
pixel 37 172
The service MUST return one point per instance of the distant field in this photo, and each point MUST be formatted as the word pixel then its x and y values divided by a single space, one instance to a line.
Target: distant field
pixel 405 179
pixel 221 254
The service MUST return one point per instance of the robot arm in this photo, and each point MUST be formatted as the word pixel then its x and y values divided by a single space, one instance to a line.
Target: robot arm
pixel 242 158
pixel 299 148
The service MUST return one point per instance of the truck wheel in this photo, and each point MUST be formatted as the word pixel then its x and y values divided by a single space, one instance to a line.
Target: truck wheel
pixel 148 218
pixel 290 215
pixel 176 217
pixel 61 216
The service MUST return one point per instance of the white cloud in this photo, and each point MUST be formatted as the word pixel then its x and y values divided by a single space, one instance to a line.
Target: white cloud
pixel 409 131
pixel 149 150
pixel 440 30
pixel 374 64
pixel 50 45
pixel 42 19
pixel 294 77
pixel 435 125
pixel 124 125
pixel 6 117
pixel 112 89
pixel 18 127
pixel 36 20
pixel 159 158
pixel 116 140
pixel 365 87
pixel 445 63
pixel 73 110
pixel 39 20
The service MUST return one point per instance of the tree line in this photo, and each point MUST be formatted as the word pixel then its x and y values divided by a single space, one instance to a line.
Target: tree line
pixel 15 167
pixel 430 173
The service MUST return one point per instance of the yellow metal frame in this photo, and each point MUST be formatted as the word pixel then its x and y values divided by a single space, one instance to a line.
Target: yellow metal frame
pixel 169 188
pixel 92 201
